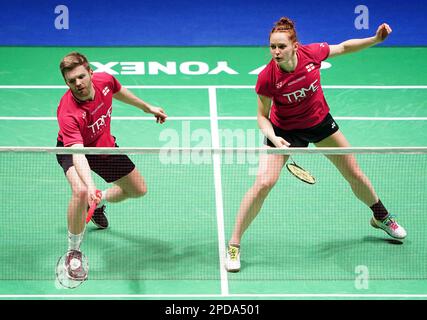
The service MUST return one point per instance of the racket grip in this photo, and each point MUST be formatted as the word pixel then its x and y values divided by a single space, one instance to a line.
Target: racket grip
pixel 93 207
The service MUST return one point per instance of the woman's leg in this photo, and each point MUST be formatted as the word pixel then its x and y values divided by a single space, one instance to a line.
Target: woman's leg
pixel 348 167
pixel 270 166
pixel 361 186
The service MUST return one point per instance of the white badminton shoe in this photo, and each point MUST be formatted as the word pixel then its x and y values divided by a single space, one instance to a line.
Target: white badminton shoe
pixel 232 259
pixel 390 226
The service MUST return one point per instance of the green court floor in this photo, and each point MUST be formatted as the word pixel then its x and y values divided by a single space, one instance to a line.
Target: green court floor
pixel 309 242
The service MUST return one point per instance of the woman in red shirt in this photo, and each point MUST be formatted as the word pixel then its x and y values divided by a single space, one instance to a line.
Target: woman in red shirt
pixel 293 112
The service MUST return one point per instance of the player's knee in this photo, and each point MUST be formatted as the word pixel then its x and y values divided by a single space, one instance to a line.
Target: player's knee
pixel 80 192
pixel 140 191
pixel 264 185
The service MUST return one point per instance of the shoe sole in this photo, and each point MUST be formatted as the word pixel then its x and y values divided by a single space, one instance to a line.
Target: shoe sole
pixel 373 224
pixel 98 225
pixel 76 279
pixel 232 270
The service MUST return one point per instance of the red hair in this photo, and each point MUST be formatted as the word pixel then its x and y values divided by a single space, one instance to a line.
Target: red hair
pixel 285 25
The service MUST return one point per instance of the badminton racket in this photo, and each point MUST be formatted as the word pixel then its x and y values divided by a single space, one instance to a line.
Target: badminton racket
pixel 62 275
pixel 300 172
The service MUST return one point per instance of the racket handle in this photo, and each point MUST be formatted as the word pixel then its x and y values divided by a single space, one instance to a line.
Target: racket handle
pixel 93 207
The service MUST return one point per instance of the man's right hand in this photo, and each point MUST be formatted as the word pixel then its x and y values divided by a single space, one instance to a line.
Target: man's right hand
pixel 92 196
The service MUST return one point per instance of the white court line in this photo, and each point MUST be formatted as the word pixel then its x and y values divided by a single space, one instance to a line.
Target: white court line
pixel 233 296
pixel 361 87
pixel 223 118
pixel 218 191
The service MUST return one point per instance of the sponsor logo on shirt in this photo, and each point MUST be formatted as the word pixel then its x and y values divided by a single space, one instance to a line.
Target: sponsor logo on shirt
pixel 296 80
pixel 298 95
pixel 281 83
pixel 97 108
pixel 100 123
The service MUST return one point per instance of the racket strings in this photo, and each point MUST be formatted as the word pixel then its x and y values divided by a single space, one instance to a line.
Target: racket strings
pixel 300 172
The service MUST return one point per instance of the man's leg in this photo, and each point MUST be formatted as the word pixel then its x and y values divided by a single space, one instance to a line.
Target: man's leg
pixel 130 186
pixel 77 205
pixel 76 226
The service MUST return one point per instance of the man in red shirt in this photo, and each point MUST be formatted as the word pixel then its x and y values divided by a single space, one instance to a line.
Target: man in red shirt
pixel 293 112
pixel 84 118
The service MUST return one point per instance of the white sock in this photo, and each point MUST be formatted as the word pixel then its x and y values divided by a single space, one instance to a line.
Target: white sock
pixel 103 200
pixel 75 240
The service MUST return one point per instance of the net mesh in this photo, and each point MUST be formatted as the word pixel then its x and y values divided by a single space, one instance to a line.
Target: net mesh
pixel 303 232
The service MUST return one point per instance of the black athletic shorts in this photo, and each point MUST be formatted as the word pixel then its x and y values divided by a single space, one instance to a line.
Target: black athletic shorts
pixel 110 167
pixel 302 137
